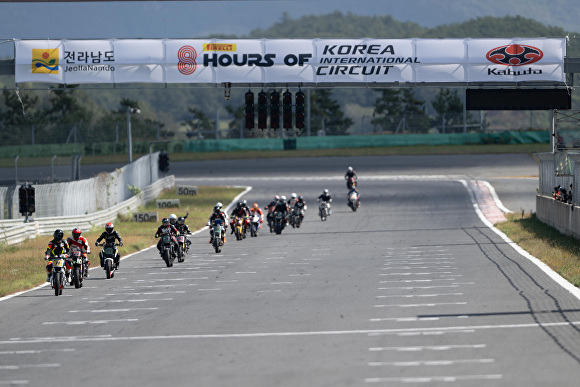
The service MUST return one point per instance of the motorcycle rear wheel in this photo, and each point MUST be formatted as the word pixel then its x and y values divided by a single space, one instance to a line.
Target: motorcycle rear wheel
pixel 76 275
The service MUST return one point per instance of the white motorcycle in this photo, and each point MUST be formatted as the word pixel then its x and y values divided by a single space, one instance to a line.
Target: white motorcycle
pixel 353 200
pixel 254 225
pixel 324 210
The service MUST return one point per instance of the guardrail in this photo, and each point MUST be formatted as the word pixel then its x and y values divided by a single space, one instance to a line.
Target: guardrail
pixel 14 231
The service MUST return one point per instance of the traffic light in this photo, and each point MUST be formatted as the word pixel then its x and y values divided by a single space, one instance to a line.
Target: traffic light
pixel 22 205
pixel 249 110
pixel 26 199
pixel 31 206
pixel 163 162
pixel 287 110
pixel 300 110
pixel 262 110
pixel 275 110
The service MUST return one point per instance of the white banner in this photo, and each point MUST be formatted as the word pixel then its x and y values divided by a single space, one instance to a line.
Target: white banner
pixel 305 61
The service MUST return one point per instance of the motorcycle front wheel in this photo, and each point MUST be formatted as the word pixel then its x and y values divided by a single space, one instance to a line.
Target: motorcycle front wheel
pixel 56 283
pixel 77 277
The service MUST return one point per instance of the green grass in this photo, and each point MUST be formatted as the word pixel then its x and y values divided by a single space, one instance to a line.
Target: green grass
pixel 22 265
pixel 559 251
pixel 340 152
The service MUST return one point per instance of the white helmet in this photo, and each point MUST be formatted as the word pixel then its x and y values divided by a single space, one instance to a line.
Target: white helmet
pixel 172 218
pixel 293 196
pixel 283 198
pixel 219 204
pixel 325 191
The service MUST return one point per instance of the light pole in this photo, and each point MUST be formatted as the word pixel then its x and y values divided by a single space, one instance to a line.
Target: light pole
pixel 129 138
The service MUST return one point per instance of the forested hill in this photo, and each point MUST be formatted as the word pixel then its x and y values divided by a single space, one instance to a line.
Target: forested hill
pixel 339 25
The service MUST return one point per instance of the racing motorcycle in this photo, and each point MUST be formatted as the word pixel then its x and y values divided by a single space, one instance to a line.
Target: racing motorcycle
pixel 218 235
pixel 278 222
pixel 297 216
pixel 353 200
pixel 109 253
pixel 183 247
pixel 58 273
pixel 254 225
pixel 78 268
pixel 324 210
pixel 270 218
pixel 168 248
pixel 239 228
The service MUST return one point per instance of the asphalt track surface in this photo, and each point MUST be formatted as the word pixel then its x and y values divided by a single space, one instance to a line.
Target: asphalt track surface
pixel 412 289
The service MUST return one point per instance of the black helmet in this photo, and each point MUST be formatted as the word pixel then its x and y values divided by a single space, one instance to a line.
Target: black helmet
pixel 239 205
pixel 58 234
pixel 244 203
pixel 181 220
pixel 300 198
pixel 165 221
pixel 217 209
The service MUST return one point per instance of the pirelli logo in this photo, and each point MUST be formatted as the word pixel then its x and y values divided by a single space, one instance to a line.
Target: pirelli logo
pixel 219 47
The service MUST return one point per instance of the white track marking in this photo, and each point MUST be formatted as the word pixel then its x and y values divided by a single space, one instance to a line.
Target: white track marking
pixel 89 322
pixel 141 300
pixel 420 348
pixel 419 287
pixel 420 295
pixel 429 362
pixel 433 379
pixel 416 305
pixel 66 338
pixel 20 366
pixel 35 351
pixel 110 310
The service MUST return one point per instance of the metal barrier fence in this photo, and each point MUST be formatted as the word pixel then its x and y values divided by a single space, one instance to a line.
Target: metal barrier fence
pixel 86 196
pixel 549 179
pixel 14 231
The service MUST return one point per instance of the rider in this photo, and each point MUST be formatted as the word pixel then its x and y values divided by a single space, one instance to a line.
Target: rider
pixel 350 173
pixel 256 210
pixel 57 246
pixel 78 242
pixel 292 200
pixel 217 214
pixel 166 228
pixel 110 235
pixel 325 197
pixel 270 207
pixel 300 203
pixel 239 211
pixel 282 207
pixel 182 227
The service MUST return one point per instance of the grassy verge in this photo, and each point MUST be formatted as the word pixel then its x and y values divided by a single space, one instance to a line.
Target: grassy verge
pixel 341 152
pixel 559 251
pixel 22 265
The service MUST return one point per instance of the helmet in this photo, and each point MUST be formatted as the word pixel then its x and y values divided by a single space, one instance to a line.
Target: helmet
pixel 181 221
pixel 58 234
pixel 256 206
pixel 109 227
pixel 219 205
pixel 300 198
pixel 239 205
pixel 283 198
pixel 76 232
pixel 325 191
pixel 276 198
pixel 350 169
pixel 293 196
pixel 165 221
pixel 172 218
pixel 217 209
pixel 244 203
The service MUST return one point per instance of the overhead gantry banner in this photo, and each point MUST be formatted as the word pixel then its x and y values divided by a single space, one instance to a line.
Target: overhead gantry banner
pixel 306 61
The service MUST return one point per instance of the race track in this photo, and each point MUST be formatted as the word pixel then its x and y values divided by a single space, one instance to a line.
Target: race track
pixel 411 289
